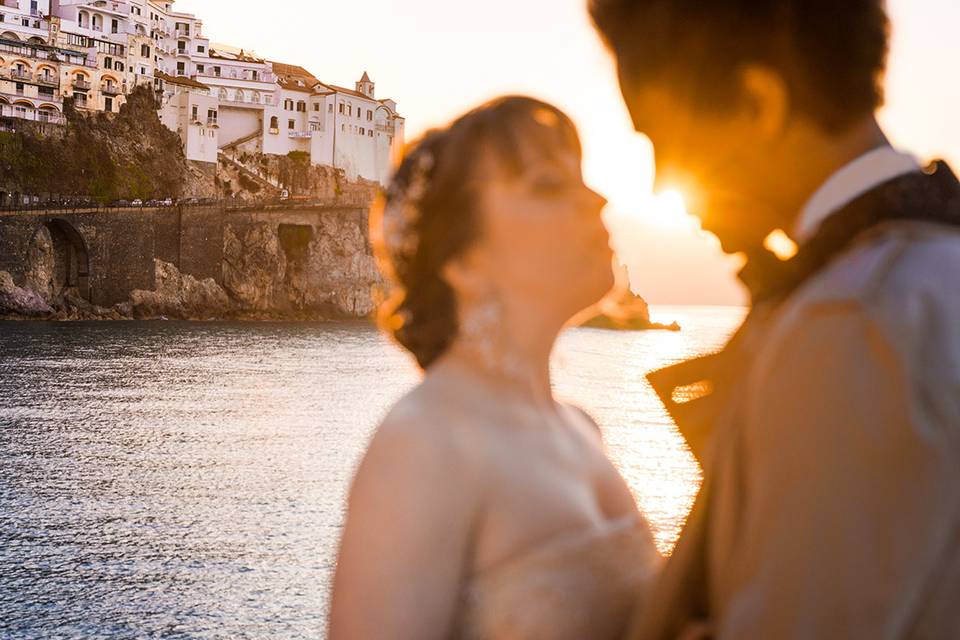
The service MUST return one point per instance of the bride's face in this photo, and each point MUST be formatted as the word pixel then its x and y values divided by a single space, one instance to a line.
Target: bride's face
pixel 542 239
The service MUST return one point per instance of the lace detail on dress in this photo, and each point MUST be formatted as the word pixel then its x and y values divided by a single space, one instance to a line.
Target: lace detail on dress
pixel 581 585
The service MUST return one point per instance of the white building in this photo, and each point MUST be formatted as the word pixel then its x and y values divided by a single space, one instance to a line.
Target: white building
pixel 24 20
pixel 30 65
pixel 189 109
pixel 343 128
pixel 245 86
pixel 213 96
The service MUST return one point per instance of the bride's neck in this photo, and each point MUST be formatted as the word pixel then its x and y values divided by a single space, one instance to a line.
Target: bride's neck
pixel 514 359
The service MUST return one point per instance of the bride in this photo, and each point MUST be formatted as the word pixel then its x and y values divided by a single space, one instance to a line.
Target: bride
pixel 484 508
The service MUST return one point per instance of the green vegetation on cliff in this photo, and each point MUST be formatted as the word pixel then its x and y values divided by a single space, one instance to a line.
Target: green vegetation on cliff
pixel 101 156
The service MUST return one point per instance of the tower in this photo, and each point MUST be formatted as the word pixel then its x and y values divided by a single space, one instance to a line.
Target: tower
pixel 366 86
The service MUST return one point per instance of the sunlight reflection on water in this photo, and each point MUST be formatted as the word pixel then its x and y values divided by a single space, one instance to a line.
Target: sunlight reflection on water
pixel 605 372
pixel 188 480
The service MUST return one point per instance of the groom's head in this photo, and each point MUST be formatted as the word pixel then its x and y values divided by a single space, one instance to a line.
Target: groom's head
pixel 749 103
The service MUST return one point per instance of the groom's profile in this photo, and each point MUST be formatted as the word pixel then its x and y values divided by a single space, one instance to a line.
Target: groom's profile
pixel 830 437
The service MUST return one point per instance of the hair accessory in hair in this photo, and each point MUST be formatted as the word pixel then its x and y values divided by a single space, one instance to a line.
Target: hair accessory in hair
pixel 403 208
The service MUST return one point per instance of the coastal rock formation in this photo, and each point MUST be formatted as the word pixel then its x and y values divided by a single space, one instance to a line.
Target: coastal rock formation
pixel 343 266
pixel 325 269
pixel 180 296
pixel 40 272
pixel 623 310
pixel 253 265
pixel 17 301
pixel 287 262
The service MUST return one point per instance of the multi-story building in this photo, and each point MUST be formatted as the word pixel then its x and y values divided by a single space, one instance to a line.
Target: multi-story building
pixel 24 19
pixel 345 128
pixel 245 86
pixel 213 96
pixel 30 84
pixel 189 108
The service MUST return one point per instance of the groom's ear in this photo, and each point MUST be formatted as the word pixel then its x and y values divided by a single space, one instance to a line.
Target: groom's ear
pixel 766 99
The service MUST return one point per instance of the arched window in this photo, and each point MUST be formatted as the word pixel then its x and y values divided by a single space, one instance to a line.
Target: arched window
pixel 274 124
pixel 256 97
pixel 83 19
pixel 241 96
pixel 223 94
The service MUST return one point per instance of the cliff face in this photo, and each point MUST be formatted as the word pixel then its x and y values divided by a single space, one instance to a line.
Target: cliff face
pixel 296 264
pixel 298 269
pixel 105 157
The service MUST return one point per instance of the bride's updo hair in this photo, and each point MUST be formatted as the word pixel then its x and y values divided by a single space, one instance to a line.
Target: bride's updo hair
pixel 429 214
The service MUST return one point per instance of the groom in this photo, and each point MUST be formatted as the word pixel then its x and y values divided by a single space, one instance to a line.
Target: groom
pixel 829 428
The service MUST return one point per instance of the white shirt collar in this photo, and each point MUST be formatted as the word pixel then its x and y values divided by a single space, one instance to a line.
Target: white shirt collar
pixel 850 182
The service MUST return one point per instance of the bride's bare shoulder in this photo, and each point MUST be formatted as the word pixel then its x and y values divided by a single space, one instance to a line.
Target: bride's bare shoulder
pixel 428 424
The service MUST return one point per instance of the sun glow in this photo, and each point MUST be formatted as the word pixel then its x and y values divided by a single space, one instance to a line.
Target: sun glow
pixel 666 211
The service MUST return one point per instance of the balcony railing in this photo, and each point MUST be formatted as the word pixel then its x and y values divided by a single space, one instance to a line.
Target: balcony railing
pixel 16 74
pixel 212 122
pixel 300 134
pixel 244 103
pixel 111 89
pixel 28 50
pixel 48 80
pixel 29 113
pixel 81 85
pixel 385 128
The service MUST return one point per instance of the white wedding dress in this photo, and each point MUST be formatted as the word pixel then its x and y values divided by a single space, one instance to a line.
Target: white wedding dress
pixel 579 586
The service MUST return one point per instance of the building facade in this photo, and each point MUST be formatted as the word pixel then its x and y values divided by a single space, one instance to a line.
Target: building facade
pixel 214 96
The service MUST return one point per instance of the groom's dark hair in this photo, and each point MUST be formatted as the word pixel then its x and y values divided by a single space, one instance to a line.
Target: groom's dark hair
pixel 832 53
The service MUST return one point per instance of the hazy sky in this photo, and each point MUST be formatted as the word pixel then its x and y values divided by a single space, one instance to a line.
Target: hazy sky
pixel 438 58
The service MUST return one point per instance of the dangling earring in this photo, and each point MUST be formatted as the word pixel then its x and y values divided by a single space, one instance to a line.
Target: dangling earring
pixel 482 332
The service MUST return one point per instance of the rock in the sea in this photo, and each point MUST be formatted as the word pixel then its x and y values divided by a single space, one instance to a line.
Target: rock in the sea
pixel 15 300
pixel 180 296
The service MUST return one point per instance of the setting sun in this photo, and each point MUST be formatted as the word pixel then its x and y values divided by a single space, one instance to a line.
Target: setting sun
pixel 667 211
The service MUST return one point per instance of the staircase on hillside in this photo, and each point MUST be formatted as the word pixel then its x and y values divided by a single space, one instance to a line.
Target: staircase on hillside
pixel 252 173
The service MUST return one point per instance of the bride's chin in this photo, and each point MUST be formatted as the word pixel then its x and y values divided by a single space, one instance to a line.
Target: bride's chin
pixel 599 289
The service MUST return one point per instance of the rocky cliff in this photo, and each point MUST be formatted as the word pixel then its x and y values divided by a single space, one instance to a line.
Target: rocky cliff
pixel 103 157
pixel 266 265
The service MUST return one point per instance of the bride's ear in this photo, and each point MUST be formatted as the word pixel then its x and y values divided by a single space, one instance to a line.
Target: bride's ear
pixel 766 98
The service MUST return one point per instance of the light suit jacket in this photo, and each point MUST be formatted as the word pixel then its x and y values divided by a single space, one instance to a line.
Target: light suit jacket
pixel 831 498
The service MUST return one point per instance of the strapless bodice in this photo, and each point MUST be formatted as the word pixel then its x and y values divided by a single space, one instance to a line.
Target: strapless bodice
pixel 580 585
